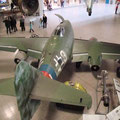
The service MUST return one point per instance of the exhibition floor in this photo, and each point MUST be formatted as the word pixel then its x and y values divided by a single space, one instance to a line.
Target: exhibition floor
pixel 103 25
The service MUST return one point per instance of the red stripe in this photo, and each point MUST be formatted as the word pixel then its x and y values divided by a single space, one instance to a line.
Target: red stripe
pixel 46 74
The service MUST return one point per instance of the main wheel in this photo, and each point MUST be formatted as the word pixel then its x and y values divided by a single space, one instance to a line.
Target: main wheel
pixel 78 64
pixel 118 72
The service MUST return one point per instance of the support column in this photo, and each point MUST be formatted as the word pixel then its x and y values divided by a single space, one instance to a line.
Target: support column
pixel 41 7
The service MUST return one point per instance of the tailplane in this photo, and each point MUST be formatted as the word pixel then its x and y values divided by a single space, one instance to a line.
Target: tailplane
pixel 31 86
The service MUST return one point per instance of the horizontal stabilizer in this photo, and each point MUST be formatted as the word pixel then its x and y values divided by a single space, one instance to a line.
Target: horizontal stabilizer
pixel 31 86
pixel 7 87
pixel 54 91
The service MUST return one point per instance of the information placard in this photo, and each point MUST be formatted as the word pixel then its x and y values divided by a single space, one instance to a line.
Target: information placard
pixel 114 114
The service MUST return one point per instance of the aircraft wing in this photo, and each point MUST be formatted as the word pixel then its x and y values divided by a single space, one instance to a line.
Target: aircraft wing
pixel 110 50
pixel 32 46
pixel 80 50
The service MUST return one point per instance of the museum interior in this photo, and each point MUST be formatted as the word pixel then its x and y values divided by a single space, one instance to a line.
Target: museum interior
pixel 59 60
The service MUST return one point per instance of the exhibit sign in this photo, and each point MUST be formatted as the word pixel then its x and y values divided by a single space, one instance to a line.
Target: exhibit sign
pixel 115 114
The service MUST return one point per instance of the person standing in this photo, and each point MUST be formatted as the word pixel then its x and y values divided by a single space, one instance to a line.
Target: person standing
pixel 7 25
pixel 116 8
pixel 11 23
pixel 62 3
pixel 14 24
pixel 31 27
pixel 41 23
pixel 12 6
pixel 22 23
pixel 44 21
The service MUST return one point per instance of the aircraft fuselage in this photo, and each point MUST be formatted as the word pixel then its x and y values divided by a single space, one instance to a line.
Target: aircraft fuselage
pixel 57 51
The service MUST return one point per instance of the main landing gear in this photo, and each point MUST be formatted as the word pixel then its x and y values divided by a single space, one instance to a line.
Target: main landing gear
pixel 118 72
pixel 78 64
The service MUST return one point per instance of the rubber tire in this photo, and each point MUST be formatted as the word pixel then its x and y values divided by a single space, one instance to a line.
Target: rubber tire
pixel 118 72
pixel 78 64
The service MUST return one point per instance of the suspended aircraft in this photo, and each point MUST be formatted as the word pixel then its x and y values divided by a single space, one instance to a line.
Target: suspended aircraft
pixel 29 7
pixel 89 5
pixel 31 85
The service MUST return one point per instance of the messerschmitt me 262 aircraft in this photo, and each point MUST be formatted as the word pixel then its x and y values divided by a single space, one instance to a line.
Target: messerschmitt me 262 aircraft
pixel 34 84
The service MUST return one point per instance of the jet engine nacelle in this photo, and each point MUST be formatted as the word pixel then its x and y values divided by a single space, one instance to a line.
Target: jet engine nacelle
pixel 95 67
pixel 19 55
pixel 94 63
pixel 28 7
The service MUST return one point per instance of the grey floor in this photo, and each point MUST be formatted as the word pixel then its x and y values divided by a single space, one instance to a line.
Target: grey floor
pixel 103 24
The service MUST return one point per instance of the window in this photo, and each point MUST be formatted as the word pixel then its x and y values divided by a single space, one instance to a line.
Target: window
pixel 60 31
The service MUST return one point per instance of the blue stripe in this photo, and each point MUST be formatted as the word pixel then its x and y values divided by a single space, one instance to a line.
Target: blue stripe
pixel 49 69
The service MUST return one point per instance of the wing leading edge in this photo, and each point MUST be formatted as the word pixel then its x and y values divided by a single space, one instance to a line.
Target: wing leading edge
pixel 110 50
pixel 32 46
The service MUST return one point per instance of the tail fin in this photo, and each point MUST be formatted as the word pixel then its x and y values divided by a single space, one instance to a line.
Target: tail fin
pixel 25 76
pixel 60 17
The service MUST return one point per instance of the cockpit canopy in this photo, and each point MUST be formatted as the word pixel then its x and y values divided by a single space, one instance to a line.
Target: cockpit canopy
pixel 60 31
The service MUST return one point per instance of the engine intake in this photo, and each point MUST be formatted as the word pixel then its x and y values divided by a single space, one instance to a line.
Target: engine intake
pixel 28 7
pixel 95 68
pixel 19 55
